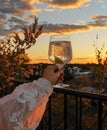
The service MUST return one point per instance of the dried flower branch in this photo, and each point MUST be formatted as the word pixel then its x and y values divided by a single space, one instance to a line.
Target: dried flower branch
pixel 101 68
pixel 13 57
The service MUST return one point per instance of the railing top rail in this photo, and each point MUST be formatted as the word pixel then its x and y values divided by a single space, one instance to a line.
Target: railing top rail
pixel 79 93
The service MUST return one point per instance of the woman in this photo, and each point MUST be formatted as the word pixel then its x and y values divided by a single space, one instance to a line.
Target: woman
pixel 24 107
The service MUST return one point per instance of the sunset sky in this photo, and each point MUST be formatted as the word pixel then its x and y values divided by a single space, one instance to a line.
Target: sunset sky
pixel 82 19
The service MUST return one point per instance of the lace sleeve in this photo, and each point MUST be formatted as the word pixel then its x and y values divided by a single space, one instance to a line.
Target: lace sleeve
pixel 24 108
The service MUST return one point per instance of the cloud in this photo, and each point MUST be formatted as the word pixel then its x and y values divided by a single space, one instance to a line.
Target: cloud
pixel 17 8
pixel 63 28
pixel 16 14
pixel 65 3
pixel 13 14
pixel 101 0
pixel 100 18
pixel 17 20
pixel 98 22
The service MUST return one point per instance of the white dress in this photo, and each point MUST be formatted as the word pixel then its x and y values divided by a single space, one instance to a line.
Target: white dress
pixel 25 106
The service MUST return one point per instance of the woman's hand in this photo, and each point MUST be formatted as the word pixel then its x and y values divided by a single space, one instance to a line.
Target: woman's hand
pixel 53 74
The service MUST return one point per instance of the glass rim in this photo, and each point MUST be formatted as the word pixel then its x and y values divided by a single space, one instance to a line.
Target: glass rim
pixel 60 36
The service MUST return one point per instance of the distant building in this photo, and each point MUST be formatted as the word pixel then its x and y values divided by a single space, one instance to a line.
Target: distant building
pixel 78 72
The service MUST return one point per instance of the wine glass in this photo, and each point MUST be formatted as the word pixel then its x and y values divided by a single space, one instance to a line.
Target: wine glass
pixel 60 50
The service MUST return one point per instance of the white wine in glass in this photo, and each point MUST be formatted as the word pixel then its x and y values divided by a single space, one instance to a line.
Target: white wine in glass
pixel 60 50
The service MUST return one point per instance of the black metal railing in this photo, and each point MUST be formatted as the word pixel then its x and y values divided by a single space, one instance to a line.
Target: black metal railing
pixel 74 115
pixel 66 110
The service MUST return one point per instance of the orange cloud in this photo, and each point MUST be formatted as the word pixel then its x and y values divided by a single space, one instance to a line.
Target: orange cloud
pixel 99 17
pixel 100 20
pixel 65 3
pixel 64 28
pixel 19 8
pixel 31 1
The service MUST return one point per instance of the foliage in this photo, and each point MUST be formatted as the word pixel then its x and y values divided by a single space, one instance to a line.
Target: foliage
pixel 101 68
pixel 13 58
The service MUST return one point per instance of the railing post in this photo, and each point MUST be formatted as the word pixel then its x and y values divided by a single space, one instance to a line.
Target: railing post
pixel 78 109
pixel 76 115
pixel 80 114
pixel 100 108
pixel 49 114
pixel 65 112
